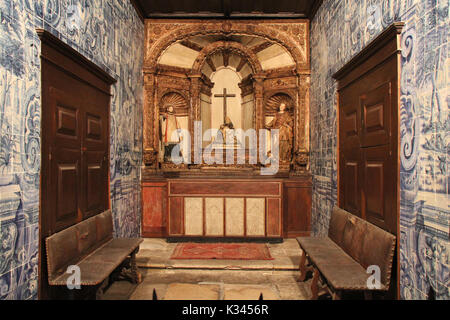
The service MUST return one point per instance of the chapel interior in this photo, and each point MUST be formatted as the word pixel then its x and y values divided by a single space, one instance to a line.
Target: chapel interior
pixel 224 150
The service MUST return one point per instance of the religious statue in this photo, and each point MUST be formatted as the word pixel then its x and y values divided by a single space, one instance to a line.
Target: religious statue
pixel 225 128
pixel 284 122
pixel 170 137
pixel 226 132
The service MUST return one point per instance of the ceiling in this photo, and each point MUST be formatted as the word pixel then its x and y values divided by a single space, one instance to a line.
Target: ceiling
pixel 226 8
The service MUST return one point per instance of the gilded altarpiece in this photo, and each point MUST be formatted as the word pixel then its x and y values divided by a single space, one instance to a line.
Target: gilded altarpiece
pixel 228 74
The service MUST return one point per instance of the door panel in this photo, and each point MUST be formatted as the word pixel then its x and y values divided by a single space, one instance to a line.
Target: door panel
pixel 65 159
pixel 351 202
pixel 376 116
pixel 378 191
pixel 66 183
pixel 94 164
pixel 350 180
pixel 94 127
pixel 349 115
pixel 66 120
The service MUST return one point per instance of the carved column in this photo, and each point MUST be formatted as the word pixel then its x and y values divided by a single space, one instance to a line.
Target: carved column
pixel 150 122
pixel 301 153
pixel 258 87
pixel 194 111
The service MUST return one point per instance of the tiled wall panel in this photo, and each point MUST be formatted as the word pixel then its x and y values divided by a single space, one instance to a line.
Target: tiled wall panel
pixel 109 33
pixel 339 31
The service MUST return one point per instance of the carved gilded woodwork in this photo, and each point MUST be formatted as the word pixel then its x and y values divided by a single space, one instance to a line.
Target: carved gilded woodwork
pixel 291 34
pixel 228 47
pixel 185 85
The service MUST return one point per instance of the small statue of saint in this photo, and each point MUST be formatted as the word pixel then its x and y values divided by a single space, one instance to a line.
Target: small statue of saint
pixel 284 122
pixel 170 137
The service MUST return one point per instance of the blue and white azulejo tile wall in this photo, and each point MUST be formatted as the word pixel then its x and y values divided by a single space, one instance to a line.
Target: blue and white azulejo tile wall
pixel 339 31
pixel 109 33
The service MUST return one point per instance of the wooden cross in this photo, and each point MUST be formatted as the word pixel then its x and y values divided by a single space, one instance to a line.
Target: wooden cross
pixel 224 96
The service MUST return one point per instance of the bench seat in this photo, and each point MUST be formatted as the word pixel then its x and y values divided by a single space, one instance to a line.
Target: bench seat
pixel 340 261
pixel 90 246
pixel 98 265
pixel 340 270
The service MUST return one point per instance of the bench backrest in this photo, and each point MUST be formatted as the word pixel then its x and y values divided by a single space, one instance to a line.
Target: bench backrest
pixel 363 241
pixel 70 245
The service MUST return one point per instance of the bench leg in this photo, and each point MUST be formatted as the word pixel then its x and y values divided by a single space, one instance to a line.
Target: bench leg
pixel 129 270
pixel 135 274
pixel 315 285
pixel 303 267
pixel 101 290
pixel 336 295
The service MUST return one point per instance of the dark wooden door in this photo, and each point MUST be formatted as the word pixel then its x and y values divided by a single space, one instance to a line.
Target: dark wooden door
pixel 76 134
pixel 369 164
pixel 74 145
pixel 368 148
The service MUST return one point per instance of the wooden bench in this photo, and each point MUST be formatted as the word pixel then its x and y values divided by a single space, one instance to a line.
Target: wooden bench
pixel 339 262
pixel 90 246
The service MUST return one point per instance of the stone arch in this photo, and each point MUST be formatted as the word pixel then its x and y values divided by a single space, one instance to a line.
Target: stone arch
pixel 224 29
pixel 231 46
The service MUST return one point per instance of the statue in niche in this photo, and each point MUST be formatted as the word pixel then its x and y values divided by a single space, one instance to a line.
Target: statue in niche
pixel 226 132
pixel 284 122
pixel 170 138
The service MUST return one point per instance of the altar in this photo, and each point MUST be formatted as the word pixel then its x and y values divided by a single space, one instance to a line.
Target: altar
pixel 227 208
pixel 226 130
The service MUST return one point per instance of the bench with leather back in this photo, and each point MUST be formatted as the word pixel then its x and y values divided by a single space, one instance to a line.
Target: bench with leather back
pixel 90 245
pixel 341 260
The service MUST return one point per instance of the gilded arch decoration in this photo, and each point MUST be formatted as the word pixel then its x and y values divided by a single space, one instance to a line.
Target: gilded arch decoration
pixel 292 35
pixel 229 46
pixel 262 83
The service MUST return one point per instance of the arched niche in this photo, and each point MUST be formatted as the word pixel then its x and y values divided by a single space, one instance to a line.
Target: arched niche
pixel 230 67
pixel 177 101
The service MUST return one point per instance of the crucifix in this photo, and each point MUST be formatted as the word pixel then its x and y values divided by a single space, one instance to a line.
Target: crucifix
pixel 224 96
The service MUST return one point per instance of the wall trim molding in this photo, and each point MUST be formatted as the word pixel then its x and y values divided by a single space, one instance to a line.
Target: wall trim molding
pixel 67 51
pixel 392 31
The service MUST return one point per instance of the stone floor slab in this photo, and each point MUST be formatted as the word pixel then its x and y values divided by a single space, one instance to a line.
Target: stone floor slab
pixel 199 279
pixel 249 292
pixel 156 253
pixel 145 291
pixel 186 291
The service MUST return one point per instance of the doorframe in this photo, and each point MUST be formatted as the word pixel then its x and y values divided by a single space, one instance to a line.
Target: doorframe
pixel 75 65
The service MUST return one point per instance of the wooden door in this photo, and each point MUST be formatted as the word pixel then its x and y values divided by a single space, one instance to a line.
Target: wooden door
pixel 74 144
pixel 77 138
pixel 369 166
pixel 368 143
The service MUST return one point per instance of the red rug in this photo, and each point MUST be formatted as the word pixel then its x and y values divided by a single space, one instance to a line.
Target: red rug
pixel 229 251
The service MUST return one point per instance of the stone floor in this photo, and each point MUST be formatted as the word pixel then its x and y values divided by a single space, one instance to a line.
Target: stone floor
pixel 214 279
